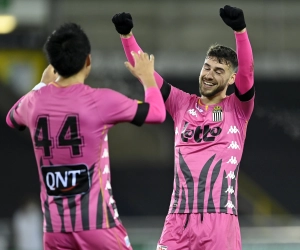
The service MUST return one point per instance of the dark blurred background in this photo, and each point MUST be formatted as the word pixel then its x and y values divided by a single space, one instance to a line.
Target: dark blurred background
pixel 178 33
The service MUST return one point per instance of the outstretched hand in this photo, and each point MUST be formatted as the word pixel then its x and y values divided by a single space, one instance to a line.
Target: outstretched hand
pixel 143 65
pixel 233 17
pixel 123 23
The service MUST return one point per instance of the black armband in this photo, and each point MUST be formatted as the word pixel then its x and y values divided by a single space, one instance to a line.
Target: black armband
pixel 141 114
pixel 245 97
pixel 165 90
pixel 13 121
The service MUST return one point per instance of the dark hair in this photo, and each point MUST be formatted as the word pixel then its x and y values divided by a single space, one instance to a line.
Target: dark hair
pixel 67 49
pixel 224 55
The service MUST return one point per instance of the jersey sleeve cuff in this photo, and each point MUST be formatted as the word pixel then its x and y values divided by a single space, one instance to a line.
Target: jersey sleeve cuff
pixel 38 86
pixel 127 42
pixel 241 36
pixel 14 123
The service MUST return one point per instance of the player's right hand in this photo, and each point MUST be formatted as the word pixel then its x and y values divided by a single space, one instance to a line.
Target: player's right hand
pixel 143 65
pixel 123 23
pixel 233 17
pixel 49 75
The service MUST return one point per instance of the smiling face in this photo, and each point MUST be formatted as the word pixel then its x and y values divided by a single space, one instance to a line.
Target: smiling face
pixel 218 72
pixel 215 77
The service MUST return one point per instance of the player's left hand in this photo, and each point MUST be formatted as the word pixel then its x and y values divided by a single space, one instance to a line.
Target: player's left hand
pixel 123 23
pixel 49 75
pixel 233 17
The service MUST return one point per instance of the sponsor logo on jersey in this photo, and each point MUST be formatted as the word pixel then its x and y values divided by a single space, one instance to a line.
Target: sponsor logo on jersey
pixel 232 160
pixel 199 108
pixel 106 169
pixel 231 175
pixel 105 153
pixel 201 133
pixel 66 180
pixel 234 145
pixel 233 130
pixel 217 114
pixel 175 204
pixel 230 190
pixel 229 204
pixel 192 112
pixel 161 247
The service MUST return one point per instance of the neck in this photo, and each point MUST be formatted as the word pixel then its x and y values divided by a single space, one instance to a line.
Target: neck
pixel 212 100
pixel 75 79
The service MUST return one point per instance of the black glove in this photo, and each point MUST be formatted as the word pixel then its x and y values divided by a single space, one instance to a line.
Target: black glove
pixel 123 23
pixel 233 17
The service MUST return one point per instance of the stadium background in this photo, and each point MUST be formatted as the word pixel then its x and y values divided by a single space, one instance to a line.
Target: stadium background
pixel 178 33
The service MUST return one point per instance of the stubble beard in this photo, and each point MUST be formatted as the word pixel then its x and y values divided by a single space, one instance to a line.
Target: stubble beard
pixel 210 94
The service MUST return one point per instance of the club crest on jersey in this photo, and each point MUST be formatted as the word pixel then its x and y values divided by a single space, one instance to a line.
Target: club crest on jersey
pixel 217 114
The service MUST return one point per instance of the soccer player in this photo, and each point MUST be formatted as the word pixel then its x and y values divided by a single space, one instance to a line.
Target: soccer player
pixel 210 132
pixel 69 122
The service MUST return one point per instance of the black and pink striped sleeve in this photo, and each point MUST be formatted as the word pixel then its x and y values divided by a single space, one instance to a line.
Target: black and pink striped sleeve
pixel 16 116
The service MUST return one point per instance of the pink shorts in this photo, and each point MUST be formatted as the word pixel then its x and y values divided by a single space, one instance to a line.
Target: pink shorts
pixel 208 231
pixel 100 239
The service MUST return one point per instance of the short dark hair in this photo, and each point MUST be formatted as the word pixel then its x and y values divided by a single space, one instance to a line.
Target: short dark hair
pixel 224 55
pixel 67 49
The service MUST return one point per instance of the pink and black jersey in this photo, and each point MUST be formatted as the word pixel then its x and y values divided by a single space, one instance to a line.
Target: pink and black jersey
pixel 69 128
pixel 209 140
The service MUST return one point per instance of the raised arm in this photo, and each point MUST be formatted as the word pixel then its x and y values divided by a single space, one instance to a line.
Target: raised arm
pixel 124 109
pixel 244 81
pixel 143 69
pixel 234 18
pixel 173 97
pixel 124 24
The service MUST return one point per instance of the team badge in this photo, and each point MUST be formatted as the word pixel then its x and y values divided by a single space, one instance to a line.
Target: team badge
pixel 217 114
pixel 160 247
